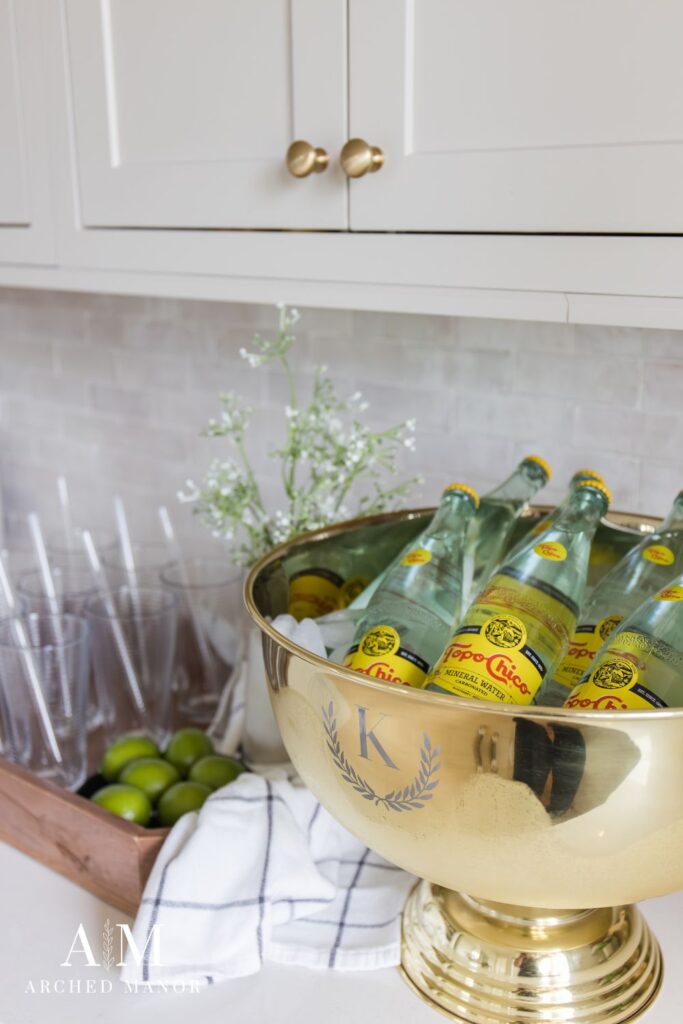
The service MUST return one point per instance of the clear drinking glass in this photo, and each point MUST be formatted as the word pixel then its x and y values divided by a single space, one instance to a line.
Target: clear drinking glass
pixel 211 629
pixel 18 561
pixel 150 561
pixel 74 587
pixel 68 552
pixel 133 644
pixel 50 653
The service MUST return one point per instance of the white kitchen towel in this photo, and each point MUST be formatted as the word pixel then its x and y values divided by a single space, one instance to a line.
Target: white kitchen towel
pixel 263 873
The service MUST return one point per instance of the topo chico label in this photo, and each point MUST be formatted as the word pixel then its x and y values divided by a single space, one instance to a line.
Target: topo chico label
pixel 674 593
pixel 583 646
pixel 659 554
pixel 314 592
pixel 418 556
pixel 552 550
pixel 381 655
pixel 515 632
pixel 615 684
pixel 492 662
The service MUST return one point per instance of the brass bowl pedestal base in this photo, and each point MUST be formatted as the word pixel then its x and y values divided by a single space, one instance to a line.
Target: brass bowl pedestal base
pixel 492 963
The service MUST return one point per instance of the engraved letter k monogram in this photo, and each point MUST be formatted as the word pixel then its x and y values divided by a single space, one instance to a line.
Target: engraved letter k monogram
pixel 366 734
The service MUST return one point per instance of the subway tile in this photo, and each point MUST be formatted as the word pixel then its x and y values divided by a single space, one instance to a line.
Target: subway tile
pixel 107 433
pixel 168 371
pixel 488 371
pixel 609 381
pixel 606 429
pixel 541 419
pixel 662 344
pixel 31 416
pixel 215 376
pixel 158 335
pixel 22 350
pixel 411 326
pixel 49 319
pixel 87 360
pixel 663 386
pixel 56 389
pixel 124 402
pixel 615 342
pixel 660 482
pixel 516 335
pixel 660 436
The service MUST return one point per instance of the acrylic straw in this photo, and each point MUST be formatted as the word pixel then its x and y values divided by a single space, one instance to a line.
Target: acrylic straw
pixel 108 601
pixel 129 565
pixel 65 506
pixel 53 605
pixel 176 552
pixel 30 667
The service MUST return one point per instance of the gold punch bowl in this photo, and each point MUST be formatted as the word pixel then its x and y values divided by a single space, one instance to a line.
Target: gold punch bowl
pixel 533 829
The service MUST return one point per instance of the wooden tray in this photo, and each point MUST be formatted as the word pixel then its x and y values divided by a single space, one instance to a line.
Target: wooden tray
pixel 106 855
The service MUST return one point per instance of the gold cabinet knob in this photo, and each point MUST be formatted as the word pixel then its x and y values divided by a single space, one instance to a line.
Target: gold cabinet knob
pixel 358 158
pixel 304 159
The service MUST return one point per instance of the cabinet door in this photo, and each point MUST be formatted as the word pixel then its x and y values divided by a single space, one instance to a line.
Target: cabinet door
pixel 25 210
pixel 532 116
pixel 184 111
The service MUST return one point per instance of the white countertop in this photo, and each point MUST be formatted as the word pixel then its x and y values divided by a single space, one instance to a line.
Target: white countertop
pixel 40 913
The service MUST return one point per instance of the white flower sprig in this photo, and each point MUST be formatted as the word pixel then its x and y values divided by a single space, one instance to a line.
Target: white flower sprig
pixel 328 458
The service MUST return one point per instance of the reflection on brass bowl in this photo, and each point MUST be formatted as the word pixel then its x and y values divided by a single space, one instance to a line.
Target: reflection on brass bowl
pixel 534 830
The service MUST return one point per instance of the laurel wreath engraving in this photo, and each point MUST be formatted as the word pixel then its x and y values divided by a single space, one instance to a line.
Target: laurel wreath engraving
pixel 411 797
pixel 108 959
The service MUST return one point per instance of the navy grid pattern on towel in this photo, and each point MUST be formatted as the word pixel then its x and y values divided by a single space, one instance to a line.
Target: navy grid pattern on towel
pixel 264 873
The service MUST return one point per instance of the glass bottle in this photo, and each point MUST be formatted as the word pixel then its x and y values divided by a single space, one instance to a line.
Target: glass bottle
pixel 644 570
pixel 641 665
pixel 519 626
pixel 410 615
pixel 551 517
pixel 498 511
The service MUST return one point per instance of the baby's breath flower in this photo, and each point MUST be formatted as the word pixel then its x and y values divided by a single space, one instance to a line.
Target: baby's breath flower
pixel 327 459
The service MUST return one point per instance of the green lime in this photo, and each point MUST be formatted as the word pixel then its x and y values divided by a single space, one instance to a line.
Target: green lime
pixel 126 801
pixel 152 775
pixel 185 747
pixel 129 748
pixel 215 770
pixel 179 799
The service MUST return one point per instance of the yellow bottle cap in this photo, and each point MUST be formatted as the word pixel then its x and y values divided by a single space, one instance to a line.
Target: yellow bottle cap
pixel 597 485
pixel 545 466
pixel 466 489
pixel 589 474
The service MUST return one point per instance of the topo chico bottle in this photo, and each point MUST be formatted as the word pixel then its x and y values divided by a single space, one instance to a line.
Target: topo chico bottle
pixel 498 511
pixel 317 589
pixel 327 576
pixel 410 615
pixel 551 517
pixel 645 569
pixel 641 665
pixel 520 625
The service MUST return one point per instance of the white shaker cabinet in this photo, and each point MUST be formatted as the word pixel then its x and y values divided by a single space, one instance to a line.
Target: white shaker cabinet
pixel 183 111
pixel 26 234
pixel 532 116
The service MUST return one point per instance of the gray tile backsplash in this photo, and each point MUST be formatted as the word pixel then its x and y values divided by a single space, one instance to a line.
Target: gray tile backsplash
pixel 113 393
